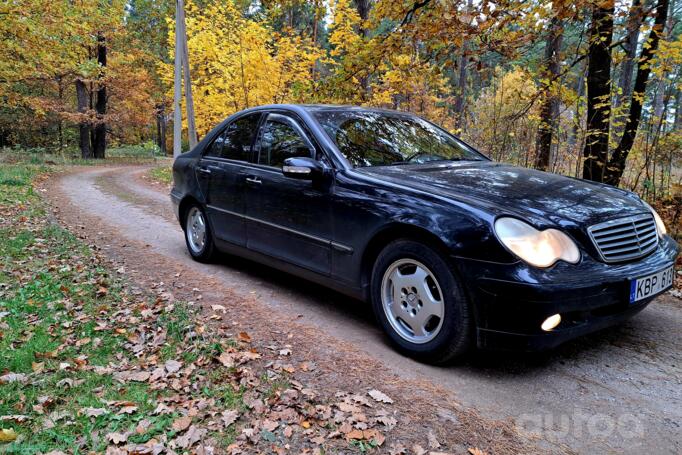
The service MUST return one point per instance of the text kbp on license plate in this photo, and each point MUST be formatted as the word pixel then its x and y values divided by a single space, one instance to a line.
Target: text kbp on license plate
pixel 649 285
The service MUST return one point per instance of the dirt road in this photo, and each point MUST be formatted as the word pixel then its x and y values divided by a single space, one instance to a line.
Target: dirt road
pixel 619 391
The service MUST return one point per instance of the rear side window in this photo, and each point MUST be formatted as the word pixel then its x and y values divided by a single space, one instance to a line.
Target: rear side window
pixel 236 142
pixel 282 139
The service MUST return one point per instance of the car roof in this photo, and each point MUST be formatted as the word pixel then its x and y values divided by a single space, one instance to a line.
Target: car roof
pixel 312 108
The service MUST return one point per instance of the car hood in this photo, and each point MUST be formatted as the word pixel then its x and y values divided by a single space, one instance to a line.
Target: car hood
pixel 515 190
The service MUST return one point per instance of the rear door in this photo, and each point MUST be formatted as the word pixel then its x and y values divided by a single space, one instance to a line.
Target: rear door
pixel 222 169
pixel 287 218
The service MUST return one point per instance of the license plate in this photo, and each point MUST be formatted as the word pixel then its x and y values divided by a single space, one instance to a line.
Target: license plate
pixel 649 285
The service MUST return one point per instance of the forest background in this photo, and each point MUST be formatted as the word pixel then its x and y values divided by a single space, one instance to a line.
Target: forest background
pixel 590 89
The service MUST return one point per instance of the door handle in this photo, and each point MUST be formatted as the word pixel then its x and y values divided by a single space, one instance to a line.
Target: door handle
pixel 204 170
pixel 254 180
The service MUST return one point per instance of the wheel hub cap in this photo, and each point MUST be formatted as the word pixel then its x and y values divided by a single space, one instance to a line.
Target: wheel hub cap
pixel 196 230
pixel 412 301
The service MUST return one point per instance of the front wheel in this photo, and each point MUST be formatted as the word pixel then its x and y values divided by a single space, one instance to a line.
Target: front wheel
pixel 419 302
pixel 198 235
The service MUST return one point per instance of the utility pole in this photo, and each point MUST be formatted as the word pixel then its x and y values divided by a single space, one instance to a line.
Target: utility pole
pixel 182 63
pixel 189 101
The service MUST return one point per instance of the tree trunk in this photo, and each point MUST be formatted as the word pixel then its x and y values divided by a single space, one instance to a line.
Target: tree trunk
pixel 577 117
pixel 460 100
pixel 633 24
pixel 620 155
pixel 550 103
pixel 662 95
pixel 596 151
pixel 659 98
pixel 461 88
pixel 177 86
pixel 161 129
pixel 189 101
pixel 677 125
pixel 83 124
pixel 363 7
pixel 60 122
pixel 100 138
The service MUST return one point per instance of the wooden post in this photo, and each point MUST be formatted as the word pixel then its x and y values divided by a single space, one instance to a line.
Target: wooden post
pixel 177 95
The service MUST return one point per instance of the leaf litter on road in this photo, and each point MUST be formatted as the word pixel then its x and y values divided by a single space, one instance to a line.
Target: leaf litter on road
pixel 147 375
pixel 242 393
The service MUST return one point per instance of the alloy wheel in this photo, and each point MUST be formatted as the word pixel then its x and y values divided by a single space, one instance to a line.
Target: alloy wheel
pixel 412 301
pixel 196 230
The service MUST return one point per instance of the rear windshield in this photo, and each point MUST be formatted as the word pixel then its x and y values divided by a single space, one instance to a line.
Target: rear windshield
pixel 370 138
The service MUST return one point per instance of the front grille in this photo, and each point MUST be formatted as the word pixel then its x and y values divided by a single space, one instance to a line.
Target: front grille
pixel 625 238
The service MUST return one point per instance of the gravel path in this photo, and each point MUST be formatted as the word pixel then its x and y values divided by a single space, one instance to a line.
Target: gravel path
pixel 618 391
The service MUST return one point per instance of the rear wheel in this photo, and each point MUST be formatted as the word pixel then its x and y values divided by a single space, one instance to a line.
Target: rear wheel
pixel 198 234
pixel 420 303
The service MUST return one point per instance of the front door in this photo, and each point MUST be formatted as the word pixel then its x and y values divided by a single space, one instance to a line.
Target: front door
pixel 287 218
pixel 223 168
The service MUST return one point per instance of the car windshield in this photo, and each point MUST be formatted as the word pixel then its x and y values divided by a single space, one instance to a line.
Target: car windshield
pixel 371 138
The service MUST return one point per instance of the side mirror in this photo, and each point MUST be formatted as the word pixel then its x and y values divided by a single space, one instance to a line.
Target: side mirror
pixel 302 168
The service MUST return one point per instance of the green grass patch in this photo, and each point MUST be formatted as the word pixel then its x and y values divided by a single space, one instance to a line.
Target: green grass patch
pixel 63 313
pixel 162 174
pixel 25 157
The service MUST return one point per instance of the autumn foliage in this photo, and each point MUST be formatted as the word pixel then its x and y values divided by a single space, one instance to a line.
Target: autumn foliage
pixel 511 77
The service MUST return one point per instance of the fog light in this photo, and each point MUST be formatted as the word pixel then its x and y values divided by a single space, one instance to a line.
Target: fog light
pixel 551 322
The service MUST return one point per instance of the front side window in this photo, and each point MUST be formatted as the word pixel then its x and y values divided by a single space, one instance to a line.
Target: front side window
pixel 372 138
pixel 282 139
pixel 236 142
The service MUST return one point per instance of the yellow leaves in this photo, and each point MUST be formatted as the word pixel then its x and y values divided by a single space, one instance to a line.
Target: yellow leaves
pixel 344 37
pixel 7 435
pixel 503 110
pixel 667 57
pixel 237 63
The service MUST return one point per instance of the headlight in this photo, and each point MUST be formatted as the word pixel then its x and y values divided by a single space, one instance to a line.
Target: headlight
pixel 660 226
pixel 538 248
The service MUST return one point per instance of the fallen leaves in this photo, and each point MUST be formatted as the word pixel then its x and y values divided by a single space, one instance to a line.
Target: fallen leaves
pixel 136 376
pixel 173 366
pixel 182 423
pixel 118 438
pixel 228 417
pixel 191 437
pixel 231 359
pixel 204 375
pixel 367 435
pixel 379 396
pixel 7 435
pixel 433 441
pixel 13 377
pixel 93 412
pixel 16 418
pixel 131 409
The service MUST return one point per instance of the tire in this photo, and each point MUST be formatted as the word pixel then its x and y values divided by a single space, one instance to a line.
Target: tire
pixel 433 324
pixel 200 247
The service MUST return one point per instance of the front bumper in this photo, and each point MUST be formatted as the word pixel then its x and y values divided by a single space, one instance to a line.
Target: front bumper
pixel 511 300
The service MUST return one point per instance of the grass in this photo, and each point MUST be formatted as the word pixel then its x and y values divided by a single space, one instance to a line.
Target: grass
pixel 162 174
pixel 65 320
pixel 133 154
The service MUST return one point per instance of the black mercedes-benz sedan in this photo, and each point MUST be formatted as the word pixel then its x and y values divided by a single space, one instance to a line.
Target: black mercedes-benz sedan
pixel 451 249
